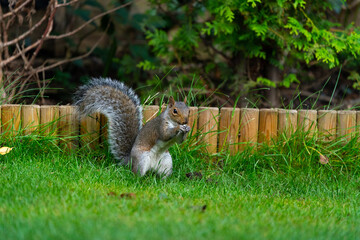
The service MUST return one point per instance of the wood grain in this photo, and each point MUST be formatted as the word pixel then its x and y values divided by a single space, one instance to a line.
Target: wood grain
pixel 287 122
pixel 346 126
pixel 30 118
pixel 229 129
pixel 11 119
pixel 327 121
pixel 208 127
pixel 268 125
pixel 249 126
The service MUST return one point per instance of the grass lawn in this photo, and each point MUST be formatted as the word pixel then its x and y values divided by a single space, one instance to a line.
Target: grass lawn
pixel 48 193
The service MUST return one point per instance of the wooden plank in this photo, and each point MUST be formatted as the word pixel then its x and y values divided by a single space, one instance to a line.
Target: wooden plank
pixel 346 126
pixel 150 112
pixel 327 121
pixel 228 129
pixel 193 120
pixel 30 117
pixel 208 126
pixel 287 121
pixel 69 126
pixel 11 119
pixel 90 130
pixel 103 128
pixel 268 125
pixel 49 116
pixel 307 121
pixel 249 127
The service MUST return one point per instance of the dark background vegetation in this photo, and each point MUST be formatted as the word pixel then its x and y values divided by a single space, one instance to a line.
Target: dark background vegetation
pixel 298 53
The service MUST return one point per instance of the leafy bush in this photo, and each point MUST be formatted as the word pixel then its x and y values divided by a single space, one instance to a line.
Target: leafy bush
pixel 235 45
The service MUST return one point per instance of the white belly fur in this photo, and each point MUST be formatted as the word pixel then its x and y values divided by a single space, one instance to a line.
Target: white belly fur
pixel 157 151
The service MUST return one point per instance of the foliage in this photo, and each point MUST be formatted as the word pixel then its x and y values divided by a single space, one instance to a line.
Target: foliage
pixel 222 41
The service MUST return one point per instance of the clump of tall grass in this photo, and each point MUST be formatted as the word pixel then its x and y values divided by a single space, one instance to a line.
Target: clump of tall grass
pixel 299 152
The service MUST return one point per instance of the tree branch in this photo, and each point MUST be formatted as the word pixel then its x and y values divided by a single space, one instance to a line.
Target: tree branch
pixel 58 5
pixel 88 22
pixel 16 10
pixel 45 68
pixel 46 32
pixel 24 35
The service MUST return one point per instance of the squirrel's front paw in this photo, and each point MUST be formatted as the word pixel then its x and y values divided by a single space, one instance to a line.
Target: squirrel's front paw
pixel 185 128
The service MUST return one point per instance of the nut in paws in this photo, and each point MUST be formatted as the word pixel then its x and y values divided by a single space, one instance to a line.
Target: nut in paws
pixel 185 128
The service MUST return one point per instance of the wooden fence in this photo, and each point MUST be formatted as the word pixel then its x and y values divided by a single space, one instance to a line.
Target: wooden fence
pixel 226 128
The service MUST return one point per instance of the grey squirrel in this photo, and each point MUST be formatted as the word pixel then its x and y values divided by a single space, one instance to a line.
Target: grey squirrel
pixel 145 147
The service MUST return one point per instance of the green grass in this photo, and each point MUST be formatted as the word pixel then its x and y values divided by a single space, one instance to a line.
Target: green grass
pixel 278 192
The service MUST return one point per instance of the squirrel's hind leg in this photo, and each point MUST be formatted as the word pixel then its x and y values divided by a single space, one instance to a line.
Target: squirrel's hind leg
pixel 141 163
pixel 164 167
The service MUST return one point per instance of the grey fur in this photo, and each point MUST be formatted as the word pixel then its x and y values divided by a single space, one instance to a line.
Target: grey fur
pixel 120 105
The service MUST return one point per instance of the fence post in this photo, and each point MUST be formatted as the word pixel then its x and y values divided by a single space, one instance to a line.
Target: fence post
pixel 30 115
pixel 193 120
pixel 346 124
pixel 249 127
pixel 307 121
pixel 150 112
pixel 103 128
pixel 90 130
pixel 228 129
pixel 268 125
pixel 49 116
pixel 11 118
pixel 287 122
pixel 69 126
pixel 327 121
pixel 208 126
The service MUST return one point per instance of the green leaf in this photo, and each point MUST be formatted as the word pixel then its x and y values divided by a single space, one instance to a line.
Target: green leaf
pixel 229 15
pixel 253 2
pixel 300 3
pixel 146 65
pixel 260 29
pixel 288 80
pixel 265 81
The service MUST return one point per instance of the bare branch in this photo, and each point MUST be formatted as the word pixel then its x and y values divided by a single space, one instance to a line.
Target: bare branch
pixel 24 58
pixel 45 68
pixel 58 5
pixel 16 10
pixel 46 33
pixel 15 56
pixel 28 73
pixel 88 22
pixel 24 35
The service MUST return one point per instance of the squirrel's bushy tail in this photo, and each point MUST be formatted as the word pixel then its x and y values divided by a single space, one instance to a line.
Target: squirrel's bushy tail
pixel 120 105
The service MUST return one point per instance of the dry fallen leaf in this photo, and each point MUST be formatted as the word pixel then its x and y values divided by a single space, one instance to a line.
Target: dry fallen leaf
pixel 128 195
pixel 111 194
pixel 5 150
pixel 193 175
pixel 200 208
pixel 323 159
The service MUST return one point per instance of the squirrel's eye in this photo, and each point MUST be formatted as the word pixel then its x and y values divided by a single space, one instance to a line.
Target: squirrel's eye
pixel 175 111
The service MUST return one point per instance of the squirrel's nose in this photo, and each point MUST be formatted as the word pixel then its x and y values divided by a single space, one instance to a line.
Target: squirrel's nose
pixel 186 121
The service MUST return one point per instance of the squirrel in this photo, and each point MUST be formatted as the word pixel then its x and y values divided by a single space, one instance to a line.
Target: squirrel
pixel 146 148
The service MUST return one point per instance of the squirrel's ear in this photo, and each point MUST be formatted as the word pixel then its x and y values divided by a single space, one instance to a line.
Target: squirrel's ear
pixel 185 100
pixel 171 101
